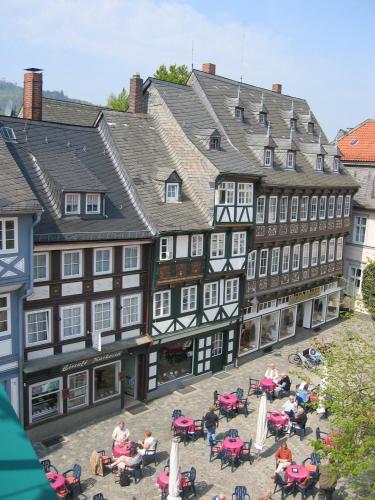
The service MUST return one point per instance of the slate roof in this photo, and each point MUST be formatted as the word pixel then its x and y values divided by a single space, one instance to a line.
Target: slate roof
pixel 56 158
pixel 149 164
pixel 359 143
pixel 216 91
pixel 365 177
pixel 68 112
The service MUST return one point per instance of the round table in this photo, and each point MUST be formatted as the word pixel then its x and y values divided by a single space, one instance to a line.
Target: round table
pixel 301 474
pixel 185 423
pixel 163 480
pixel 268 384
pixel 121 450
pixel 57 481
pixel 228 399
pixel 235 445
pixel 278 418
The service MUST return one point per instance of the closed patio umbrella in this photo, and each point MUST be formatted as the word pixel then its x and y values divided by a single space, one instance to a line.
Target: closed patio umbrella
pixel 261 434
pixel 174 471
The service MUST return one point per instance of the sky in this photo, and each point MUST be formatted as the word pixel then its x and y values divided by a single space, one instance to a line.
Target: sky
pixel 323 51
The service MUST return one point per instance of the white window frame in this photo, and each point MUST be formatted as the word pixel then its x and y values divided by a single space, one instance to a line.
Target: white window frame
pixel 275 260
pixel 228 188
pixel 347 204
pixel 322 207
pixel 190 291
pixel 58 391
pixel 314 253
pixel 261 215
pixel 138 296
pixel 217 243
pixel 98 203
pixel 272 209
pixel 7 310
pixel 3 223
pixel 331 206
pixel 87 390
pixel 176 197
pixel 70 276
pixel 283 210
pixel 238 243
pixel 163 294
pixel 305 255
pixel 323 251
pixel 304 205
pixel 290 160
pixel 319 163
pixel 138 265
pixel 359 229
pixel 167 242
pixel 244 191
pixel 96 251
pixel 268 157
pixel 251 265
pixel 46 255
pixel 313 208
pixel 97 302
pixel 214 143
pixel 49 327
pixel 285 260
pixel 118 369
pixel 294 206
pixel 78 197
pixel 196 245
pixel 81 308
pixel 339 248
pixel 296 252
pixel 353 269
pixel 264 251
pixel 331 249
pixel 211 299
pixel 339 206
pixel 232 289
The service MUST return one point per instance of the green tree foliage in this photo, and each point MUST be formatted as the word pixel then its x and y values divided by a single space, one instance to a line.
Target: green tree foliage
pixel 368 288
pixel 175 74
pixel 348 389
pixel 118 102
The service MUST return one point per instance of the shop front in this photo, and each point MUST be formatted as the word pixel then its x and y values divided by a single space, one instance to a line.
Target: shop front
pixel 276 320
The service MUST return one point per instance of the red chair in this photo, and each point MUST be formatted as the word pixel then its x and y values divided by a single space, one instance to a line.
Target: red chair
pixel 74 480
pixel 254 387
pixel 106 459
pixel 62 493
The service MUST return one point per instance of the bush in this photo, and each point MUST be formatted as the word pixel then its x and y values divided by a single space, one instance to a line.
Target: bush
pixel 368 287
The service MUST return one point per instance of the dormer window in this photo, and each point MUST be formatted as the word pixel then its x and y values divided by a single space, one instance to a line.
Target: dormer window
pixel 238 113
pixel 172 192
pixel 268 157
pixel 291 159
pixel 336 163
pixel 214 143
pixel 263 118
pixel 293 123
pixel 319 163
pixel 93 203
pixel 72 203
pixel 8 134
pixel 310 127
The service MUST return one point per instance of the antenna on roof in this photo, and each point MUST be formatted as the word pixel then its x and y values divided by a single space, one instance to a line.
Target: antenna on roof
pixel 242 54
pixel 192 55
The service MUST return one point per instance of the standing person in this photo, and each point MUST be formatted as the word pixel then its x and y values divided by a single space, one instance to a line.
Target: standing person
pixel 283 458
pixel 120 434
pixel 327 481
pixel 272 372
pixel 211 421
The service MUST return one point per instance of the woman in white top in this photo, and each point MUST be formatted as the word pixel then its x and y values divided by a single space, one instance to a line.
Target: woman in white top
pixel 272 372
pixel 120 433
pixel 149 443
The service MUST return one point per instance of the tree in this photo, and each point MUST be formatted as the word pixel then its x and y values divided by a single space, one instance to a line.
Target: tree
pixel 119 102
pixel 175 74
pixel 368 287
pixel 348 391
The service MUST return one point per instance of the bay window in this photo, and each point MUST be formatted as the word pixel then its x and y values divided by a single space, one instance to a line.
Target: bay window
pixel 347 205
pixel 226 193
pixel 339 205
pixel 331 250
pixel 331 207
pixel 339 248
pixel 244 193
pixel 304 208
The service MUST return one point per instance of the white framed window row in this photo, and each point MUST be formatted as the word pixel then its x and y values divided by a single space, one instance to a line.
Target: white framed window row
pixel 72 203
pixel 102 315
pixel 162 304
pixel 71 264
pixel 132 258
pixel 226 193
pixel 38 327
pixel 196 245
pixel 166 248
pixel 41 266
pixel 232 290
pixel 244 193
pixel 331 250
pixel 72 321
pixel 217 249
pixel 102 261
pixel 238 243
pixel 131 309
pixel 188 298
pixel 93 203
pixel 211 294
pixel 5 314
pixel 8 235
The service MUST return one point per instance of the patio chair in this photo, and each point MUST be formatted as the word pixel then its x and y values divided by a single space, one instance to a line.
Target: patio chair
pixel 98 496
pixel 198 428
pixel 216 399
pixel 227 411
pixel 150 456
pixel 240 493
pixel 238 392
pixel 228 457
pixel 297 429
pixel 320 434
pixel 74 480
pixel 135 471
pixel 233 433
pixel 106 459
pixel 62 493
pixel 303 488
pixel 284 486
pixel 175 414
pixel 47 466
pixel 313 459
pixel 188 481
pixel 215 450
pixel 254 387
pixel 182 433
pixel 245 453
pixel 274 430
pixel 243 407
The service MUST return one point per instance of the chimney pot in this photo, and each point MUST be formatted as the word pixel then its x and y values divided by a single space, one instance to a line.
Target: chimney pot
pixel 277 87
pixel 209 68
pixel 32 94
pixel 135 94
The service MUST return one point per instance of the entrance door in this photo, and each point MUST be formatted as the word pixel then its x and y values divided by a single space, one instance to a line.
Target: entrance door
pixel 131 365
pixel 300 313
pixel 217 354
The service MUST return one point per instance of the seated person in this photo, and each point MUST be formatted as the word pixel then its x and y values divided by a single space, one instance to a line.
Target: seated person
pixel 120 433
pixel 271 372
pixel 283 458
pixel 303 396
pixel 299 420
pixel 290 406
pixel 283 384
pixel 148 443
pixel 123 461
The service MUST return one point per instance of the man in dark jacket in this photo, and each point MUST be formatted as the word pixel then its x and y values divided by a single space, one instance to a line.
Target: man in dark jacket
pixel 211 421
pixel 283 385
pixel 300 422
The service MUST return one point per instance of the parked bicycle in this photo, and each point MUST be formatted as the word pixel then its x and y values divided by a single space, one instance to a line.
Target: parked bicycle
pixel 301 360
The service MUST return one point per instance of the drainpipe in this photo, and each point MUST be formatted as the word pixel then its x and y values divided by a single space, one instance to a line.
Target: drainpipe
pixel 27 293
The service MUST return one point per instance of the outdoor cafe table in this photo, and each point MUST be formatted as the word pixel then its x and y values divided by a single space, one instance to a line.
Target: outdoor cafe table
pixel 298 476
pixel 123 449
pixel 235 445
pixel 267 384
pixel 185 423
pixel 278 418
pixel 57 481
pixel 163 480
pixel 228 399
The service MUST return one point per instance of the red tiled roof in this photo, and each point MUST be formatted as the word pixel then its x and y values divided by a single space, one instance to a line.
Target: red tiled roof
pixel 359 143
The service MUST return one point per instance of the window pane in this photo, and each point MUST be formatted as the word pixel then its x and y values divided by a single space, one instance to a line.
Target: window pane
pixel 131 258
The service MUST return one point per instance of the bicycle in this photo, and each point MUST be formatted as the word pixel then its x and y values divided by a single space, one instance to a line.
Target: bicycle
pixel 299 359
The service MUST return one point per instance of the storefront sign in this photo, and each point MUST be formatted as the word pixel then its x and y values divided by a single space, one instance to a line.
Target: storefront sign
pixel 97 341
pixel 91 361
pixel 308 294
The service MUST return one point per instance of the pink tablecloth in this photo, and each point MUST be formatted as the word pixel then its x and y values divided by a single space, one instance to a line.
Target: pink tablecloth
pixel 233 444
pixel 298 476
pixel 57 481
pixel 163 480
pixel 267 384
pixel 184 422
pixel 278 418
pixel 122 450
pixel 228 399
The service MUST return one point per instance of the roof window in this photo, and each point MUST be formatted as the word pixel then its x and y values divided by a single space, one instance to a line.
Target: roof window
pixel 263 118
pixel 214 143
pixel 310 127
pixel 293 124
pixel 7 133
pixel 239 113
pixel 353 141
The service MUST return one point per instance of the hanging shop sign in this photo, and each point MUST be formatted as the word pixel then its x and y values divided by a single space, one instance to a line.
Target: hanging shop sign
pixel 90 361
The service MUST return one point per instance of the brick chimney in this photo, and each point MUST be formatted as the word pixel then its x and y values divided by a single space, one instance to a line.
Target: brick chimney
pixel 135 94
pixel 277 87
pixel 209 68
pixel 32 94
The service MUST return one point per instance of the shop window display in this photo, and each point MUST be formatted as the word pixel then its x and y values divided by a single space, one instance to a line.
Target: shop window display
pixel 270 327
pixel 45 400
pixel 106 381
pixel 175 361
pixel 333 306
pixel 318 311
pixel 78 387
pixel 249 336
pixel 287 322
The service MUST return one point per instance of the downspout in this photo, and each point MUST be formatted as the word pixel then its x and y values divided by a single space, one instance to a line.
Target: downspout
pixel 28 292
